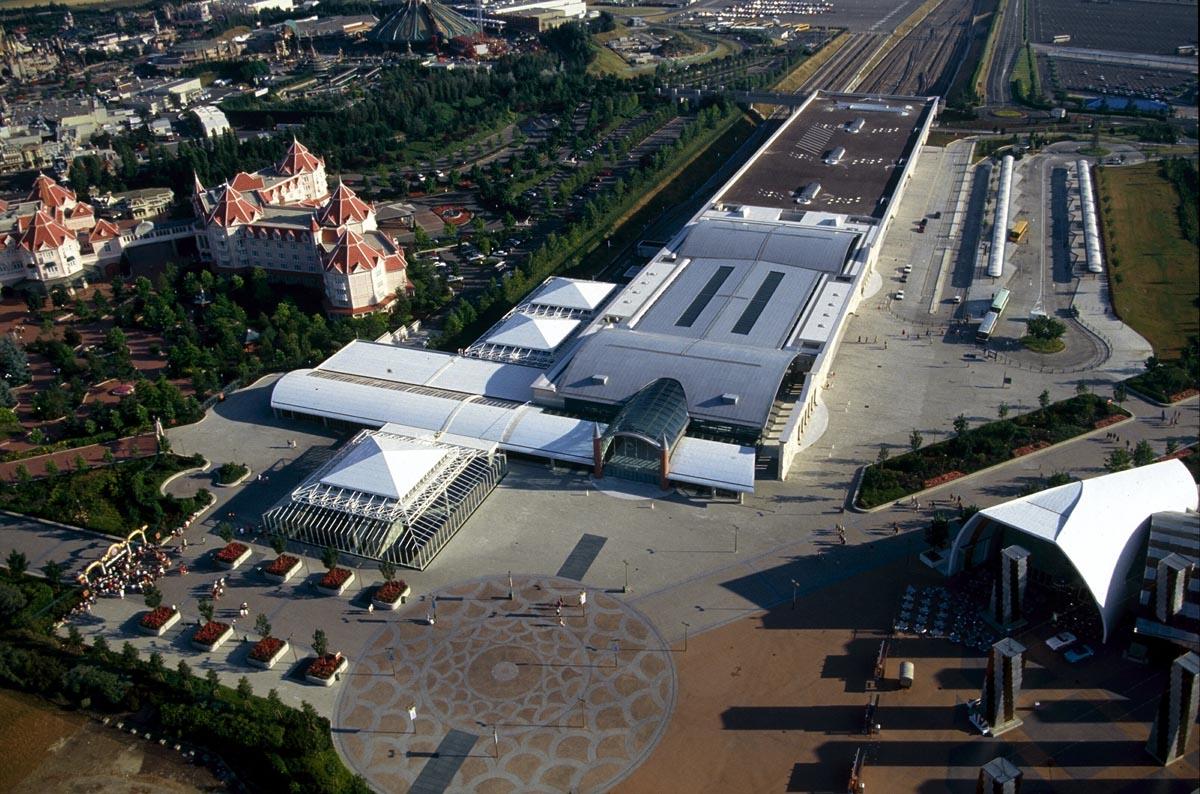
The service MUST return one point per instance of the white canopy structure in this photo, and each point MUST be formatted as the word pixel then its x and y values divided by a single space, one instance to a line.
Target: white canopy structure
pixel 1099 525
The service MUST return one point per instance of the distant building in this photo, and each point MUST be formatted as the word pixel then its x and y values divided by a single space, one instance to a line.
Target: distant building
pixel 141 204
pixel 284 220
pixel 211 120
pixel 258 6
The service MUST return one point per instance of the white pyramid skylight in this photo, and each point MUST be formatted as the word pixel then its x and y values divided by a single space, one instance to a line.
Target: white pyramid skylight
pixel 572 294
pixel 533 333
pixel 385 466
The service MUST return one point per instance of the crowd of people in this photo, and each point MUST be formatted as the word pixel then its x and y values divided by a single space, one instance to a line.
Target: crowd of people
pixel 134 571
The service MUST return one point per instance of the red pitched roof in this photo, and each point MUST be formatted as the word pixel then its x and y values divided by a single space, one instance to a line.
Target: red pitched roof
pixel 81 210
pixel 44 232
pixel 343 207
pixel 352 254
pixel 299 160
pixel 232 208
pixel 244 181
pixel 103 230
pixel 49 192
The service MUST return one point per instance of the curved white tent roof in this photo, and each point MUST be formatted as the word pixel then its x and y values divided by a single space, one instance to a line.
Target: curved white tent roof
pixel 1098 524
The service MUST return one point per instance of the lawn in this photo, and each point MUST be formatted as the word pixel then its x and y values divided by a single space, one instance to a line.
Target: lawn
pixel 1154 268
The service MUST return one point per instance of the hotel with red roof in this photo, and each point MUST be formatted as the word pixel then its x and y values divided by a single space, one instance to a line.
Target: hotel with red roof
pixel 285 220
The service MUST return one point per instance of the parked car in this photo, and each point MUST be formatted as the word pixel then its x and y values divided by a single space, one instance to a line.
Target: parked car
pixel 900 295
pixel 1076 655
pixel 1061 640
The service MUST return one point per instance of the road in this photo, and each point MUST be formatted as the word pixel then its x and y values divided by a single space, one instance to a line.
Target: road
pixel 997 88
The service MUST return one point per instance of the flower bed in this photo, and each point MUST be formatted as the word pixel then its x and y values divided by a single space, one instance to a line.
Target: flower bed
pixel 942 479
pixel 212 635
pixel 233 555
pixel 1109 420
pixel 267 651
pixel 282 568
pixel 389 595
pixel 1183 395
pixel 1028 448
pixel 156 622
pixel 324 670
pixel 336 581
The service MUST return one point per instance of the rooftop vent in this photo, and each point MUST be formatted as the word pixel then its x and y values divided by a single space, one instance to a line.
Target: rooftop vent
pixel 729 399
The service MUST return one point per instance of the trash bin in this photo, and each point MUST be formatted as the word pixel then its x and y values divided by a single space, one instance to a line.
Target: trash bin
pixel 907 670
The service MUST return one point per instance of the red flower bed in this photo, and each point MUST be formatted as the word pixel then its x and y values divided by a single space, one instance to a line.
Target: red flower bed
pixel 1183 395
pixel 1109 420
pixel 325 666
pixel 1025 450
pixel 335 578
pixel 210 632
pixel 942 479
pixel 282 564
pixel 231 552
pixel 390 592
pixel 157 618
pixel 265 648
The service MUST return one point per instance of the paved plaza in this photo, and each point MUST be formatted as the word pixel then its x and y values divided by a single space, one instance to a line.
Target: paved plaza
pixel 570 705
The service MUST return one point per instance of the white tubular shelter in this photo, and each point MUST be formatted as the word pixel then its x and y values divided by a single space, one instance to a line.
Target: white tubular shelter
pixel 995 267
pixel 1091 231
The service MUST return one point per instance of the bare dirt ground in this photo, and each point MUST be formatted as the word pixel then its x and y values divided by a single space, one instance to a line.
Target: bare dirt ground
pixel 776 701
pixel 44 749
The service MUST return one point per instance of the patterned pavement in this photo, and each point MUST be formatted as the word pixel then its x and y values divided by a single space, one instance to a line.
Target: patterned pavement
pixel 556 704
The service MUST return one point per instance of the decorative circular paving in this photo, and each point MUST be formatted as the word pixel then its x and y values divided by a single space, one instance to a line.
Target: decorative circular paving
pixel 570 713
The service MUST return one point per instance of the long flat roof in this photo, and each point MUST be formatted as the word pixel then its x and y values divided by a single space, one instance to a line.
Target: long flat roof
pixel 864 176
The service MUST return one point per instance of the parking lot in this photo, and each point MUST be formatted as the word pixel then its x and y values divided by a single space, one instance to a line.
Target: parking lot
pixel 1108 78
pixel 1121 26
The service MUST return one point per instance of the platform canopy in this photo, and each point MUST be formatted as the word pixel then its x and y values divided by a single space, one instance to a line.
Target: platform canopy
pixel 1099 525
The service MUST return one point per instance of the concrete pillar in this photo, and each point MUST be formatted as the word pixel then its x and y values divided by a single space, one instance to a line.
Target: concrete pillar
pixel 1170 584
pixel 998 776
pixel 597 453
pixel 664 464
pixel 1008 595
pixel 1002 686
pixel 1177 711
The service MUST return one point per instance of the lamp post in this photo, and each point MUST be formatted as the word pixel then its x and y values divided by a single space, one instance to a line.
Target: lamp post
pixel 735 534
pixel 795 589
pixel 626 588
pixel 510 586
pixel 685 628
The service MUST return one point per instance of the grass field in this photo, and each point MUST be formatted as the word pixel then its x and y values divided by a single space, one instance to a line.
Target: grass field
pixel 1154 269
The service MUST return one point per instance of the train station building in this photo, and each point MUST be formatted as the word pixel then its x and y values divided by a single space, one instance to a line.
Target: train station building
pixel 706 369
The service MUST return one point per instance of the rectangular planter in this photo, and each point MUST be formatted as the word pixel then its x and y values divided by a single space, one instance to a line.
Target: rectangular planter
pixel 161 630
pixel 225 635
pixel 404 594
pixel 267 665
pixel 339 590
pixel 288 574
pixel 341 668
pixel 229 566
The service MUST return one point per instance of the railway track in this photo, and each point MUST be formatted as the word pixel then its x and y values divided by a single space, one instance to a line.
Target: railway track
pixel 922 62
pixel 838 73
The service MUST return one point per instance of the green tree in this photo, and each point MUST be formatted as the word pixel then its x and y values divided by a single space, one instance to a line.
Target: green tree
pixel 1120 393
pixel 1118 460
pixel 12 601
pixel 129 655
pixel 278 543
pixel 18 563
pixel 1143 454
pixel 329 558
pixel 74 639
pixel 53 571
pixel 155 666
pixel 153 597
pixel 1044 398
pixel 1046 328
pixel 388 569
pixel 1172 445
pixel 213 680
pixel 225 531
pixel 960 425
pixel 1002 411
pixel 262 625
pixel 320 642
pixel 244 689
pixel 100 649
pixel 14 365
pixel 937 534
pixel 1081 388
pixel 915 439
pixel 883 454
pixel 185 671
pixel 205 607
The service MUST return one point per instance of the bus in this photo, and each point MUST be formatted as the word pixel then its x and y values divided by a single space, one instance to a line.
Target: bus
pixel 987 327
pixel 1017 233
pixel 1000 302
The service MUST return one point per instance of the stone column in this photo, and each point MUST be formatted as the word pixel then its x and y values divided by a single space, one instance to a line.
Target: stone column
pixel 1170 583
pixel 998 776
pixel 597 453
pixel 1008 596
pixel 1002 686
pixel 1176 711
